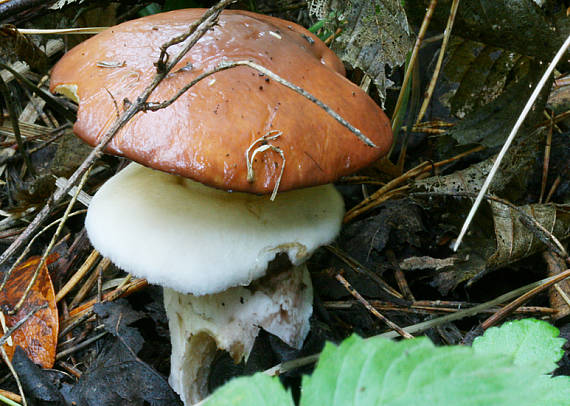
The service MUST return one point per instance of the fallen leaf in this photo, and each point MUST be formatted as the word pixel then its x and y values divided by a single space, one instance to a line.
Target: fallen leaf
pixel 118 376
pixel 40 385
pixel 376 34
pixel 38 335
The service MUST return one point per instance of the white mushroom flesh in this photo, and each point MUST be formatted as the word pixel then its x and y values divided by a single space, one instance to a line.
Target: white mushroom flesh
pixel 230 321
pixel 180 234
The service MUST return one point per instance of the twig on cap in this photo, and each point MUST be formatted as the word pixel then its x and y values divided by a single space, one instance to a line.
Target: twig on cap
pixel 264 140
pixel 210 17
pixel 233 64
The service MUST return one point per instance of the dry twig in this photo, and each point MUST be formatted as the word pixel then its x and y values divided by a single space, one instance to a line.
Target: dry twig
pixel 505 311
pixel 389 189
pixel 446 36
pixel 411 62
pixel 232 64
pixel 370 308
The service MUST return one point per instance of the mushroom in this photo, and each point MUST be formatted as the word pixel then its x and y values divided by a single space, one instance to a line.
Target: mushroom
pixel 237 131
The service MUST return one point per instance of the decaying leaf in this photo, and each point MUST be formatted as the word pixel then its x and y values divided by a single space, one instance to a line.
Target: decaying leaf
pixel 38 383
pixel 471 179
pixel 475 74
pixel 376 34
pixel 118 377
pixel 516 238
pixel 38 335
pixel 425 262
pixel 491 123
pixel 519 25
pixel 25 49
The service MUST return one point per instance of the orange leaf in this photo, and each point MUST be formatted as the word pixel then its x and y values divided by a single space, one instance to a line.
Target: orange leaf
pixel 38 335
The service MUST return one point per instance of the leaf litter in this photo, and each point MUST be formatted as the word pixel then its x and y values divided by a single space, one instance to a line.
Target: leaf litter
pixel 482 87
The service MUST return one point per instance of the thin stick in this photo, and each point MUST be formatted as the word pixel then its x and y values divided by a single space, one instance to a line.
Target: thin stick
pixel 389 186
pixel 359 268
pixel 408 74
pixel 15 124
pixel 71 322
pixel 61 31
pixel 508 309
pixel 77 276
pixel 30 243
pixel 546 163
pixel 400 276
pixel 80 310
pixel 371 309
pixel 562 294
pixel 232 64
pixel 16 326
pixel 14 374
pixel 10 398
pixel 416 328
pixel 509 140
pixel 91 281
pixel 381 194
pixel 553 188
pixel 86 343
pixel 446 36
pixel 435 307
pixel 377 201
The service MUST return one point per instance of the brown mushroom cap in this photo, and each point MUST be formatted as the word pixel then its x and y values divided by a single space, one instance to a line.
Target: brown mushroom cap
pixel 204 135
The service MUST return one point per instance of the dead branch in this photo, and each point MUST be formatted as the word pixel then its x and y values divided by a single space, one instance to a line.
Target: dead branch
pixel 508 309
pixel 370 308
pixel 233 64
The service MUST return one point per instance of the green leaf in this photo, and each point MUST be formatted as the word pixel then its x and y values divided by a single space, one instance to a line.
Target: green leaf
pixel 555 391
pixel 381 372
pixel 256 390
pixel 504 368
pixel 532 343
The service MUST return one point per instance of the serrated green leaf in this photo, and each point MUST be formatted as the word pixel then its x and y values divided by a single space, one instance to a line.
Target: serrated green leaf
pixel 256 390
pixel 504 368
pixel 555 391
pixel 531 343
pixel 415 372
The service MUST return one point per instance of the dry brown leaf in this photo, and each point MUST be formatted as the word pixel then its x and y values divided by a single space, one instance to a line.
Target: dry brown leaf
pixel 25 49
pixel 38 335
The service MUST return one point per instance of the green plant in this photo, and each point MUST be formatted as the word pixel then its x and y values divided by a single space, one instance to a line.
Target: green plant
pixel 507 366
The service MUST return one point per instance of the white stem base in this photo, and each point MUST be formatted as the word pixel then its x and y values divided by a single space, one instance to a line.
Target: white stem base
pixel 200 325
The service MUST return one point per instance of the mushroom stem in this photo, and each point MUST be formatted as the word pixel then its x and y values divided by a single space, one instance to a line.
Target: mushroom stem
pixel 280 303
